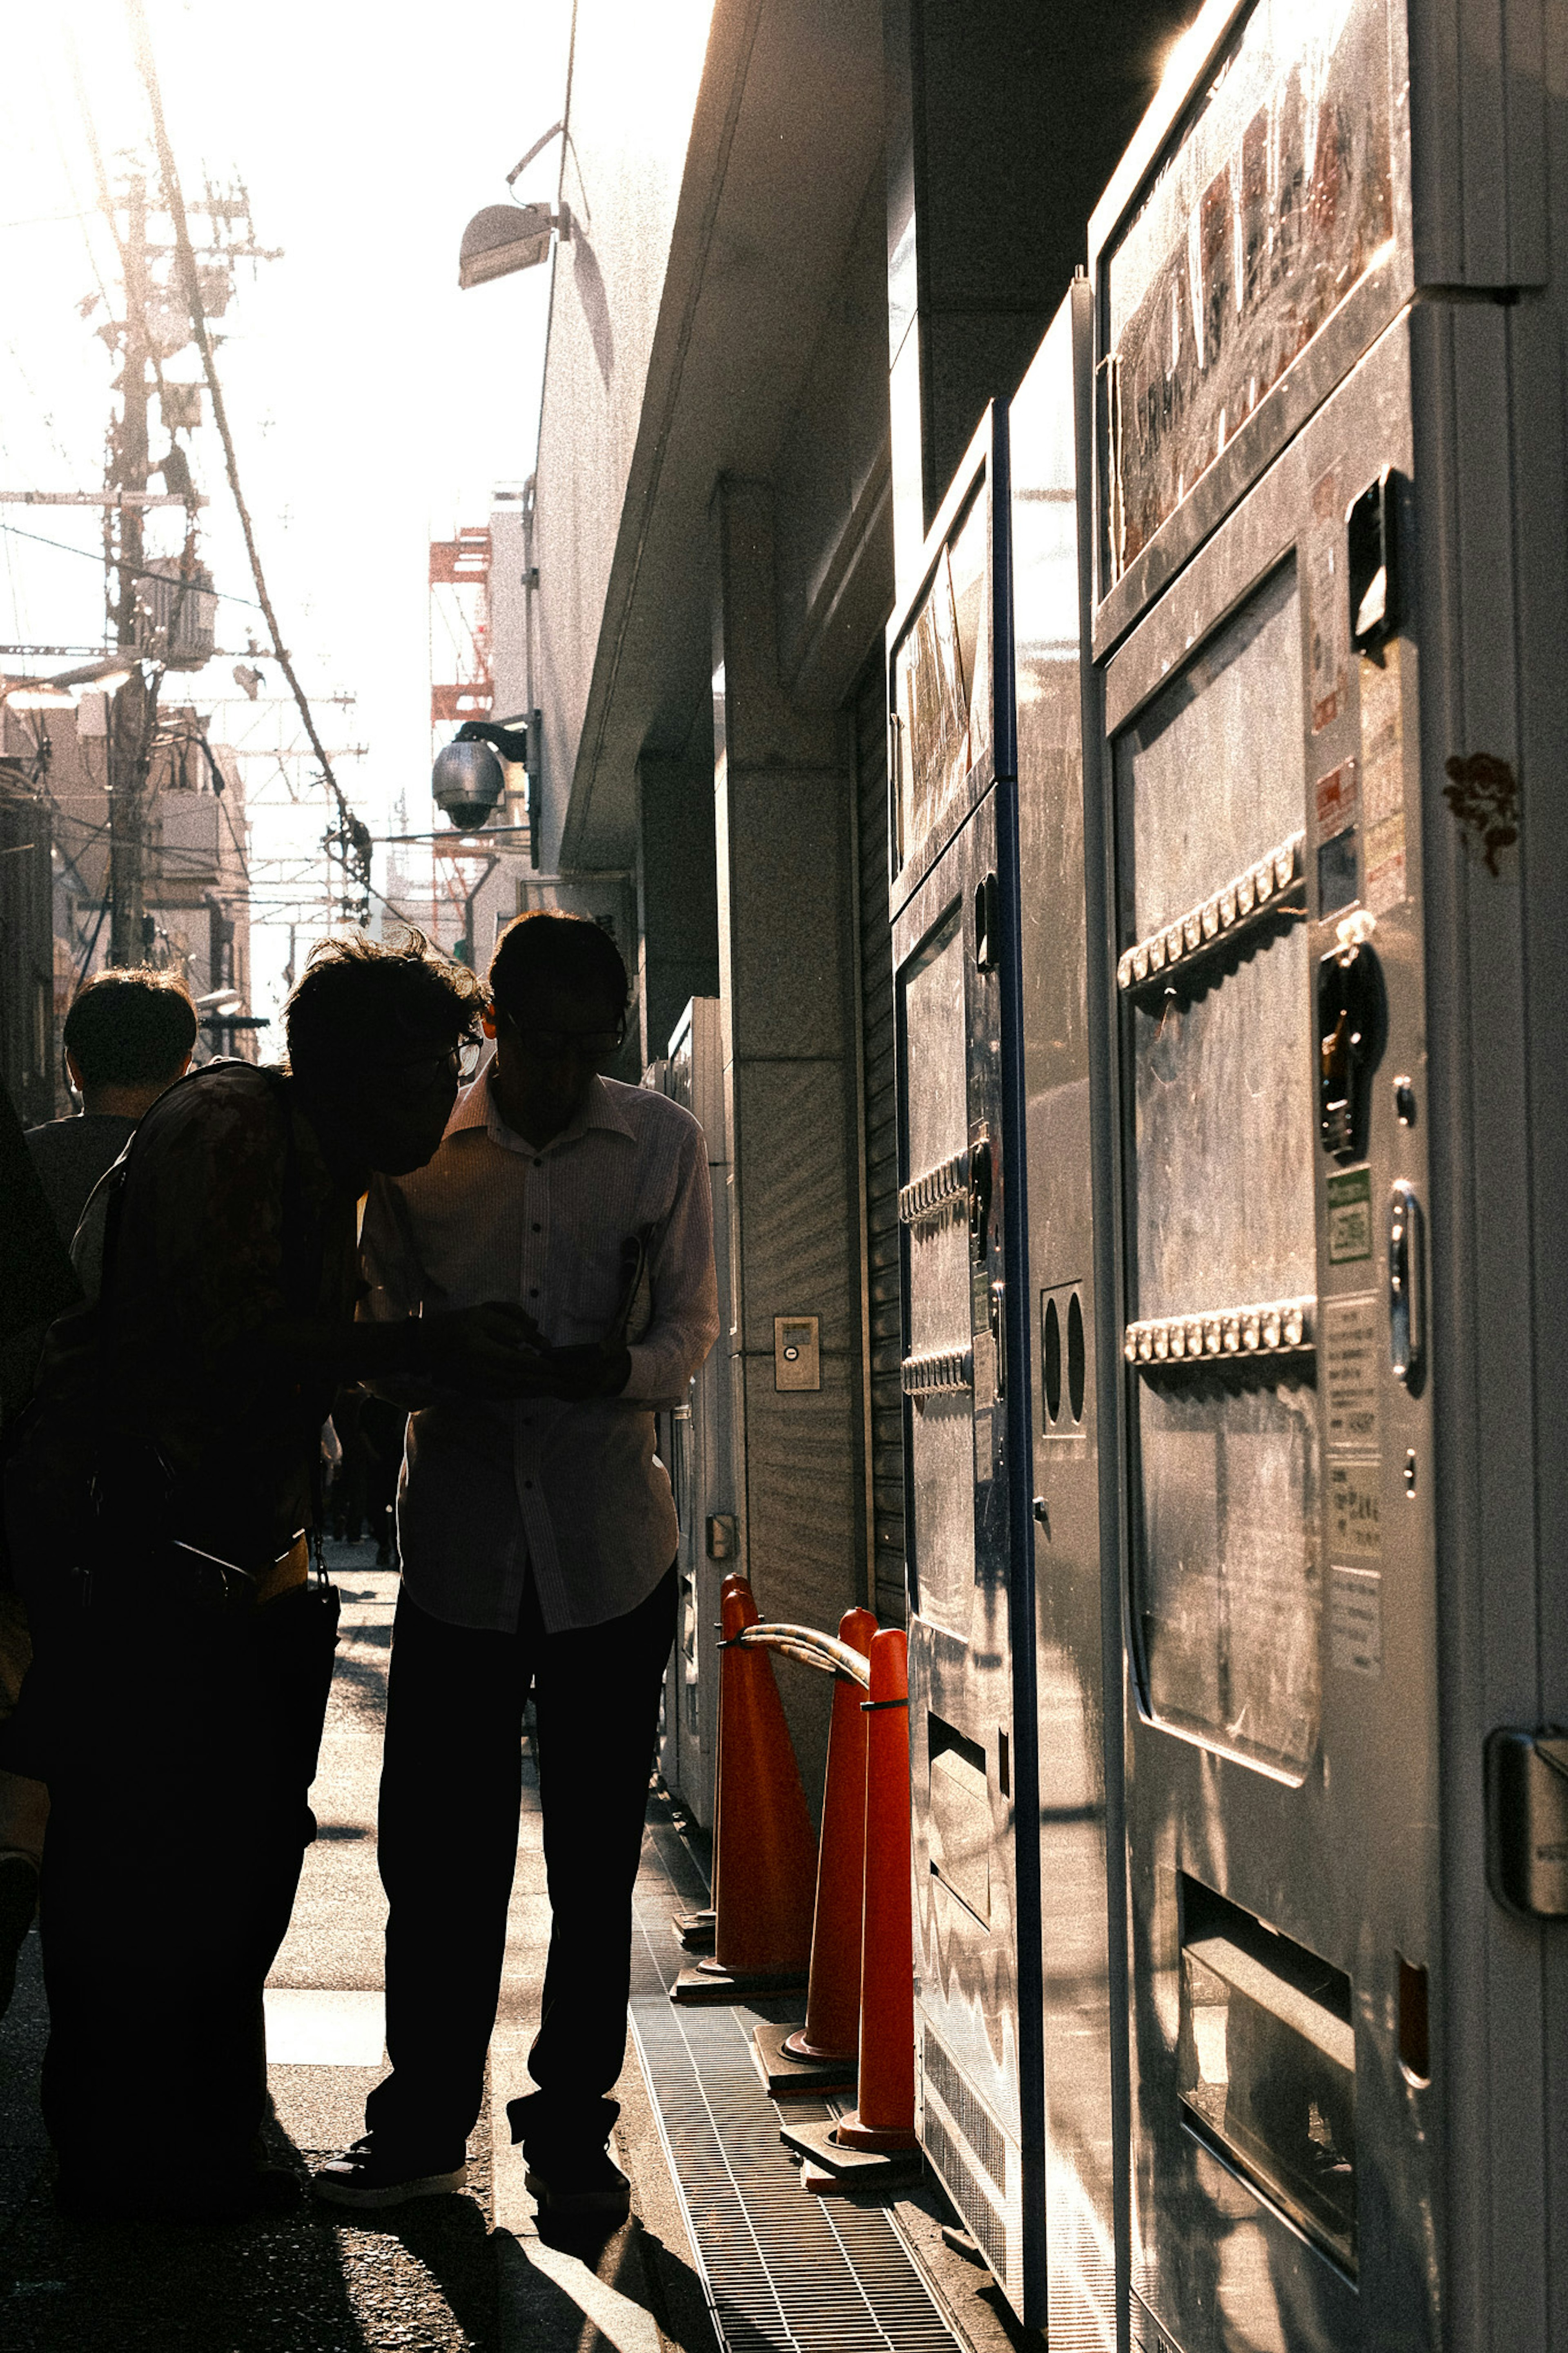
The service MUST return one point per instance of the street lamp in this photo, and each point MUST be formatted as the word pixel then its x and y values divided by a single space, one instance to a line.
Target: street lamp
pixel 54 693
pixel 504 238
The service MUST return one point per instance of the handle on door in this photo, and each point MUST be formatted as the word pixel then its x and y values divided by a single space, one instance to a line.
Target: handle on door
pixel 1350 1004
pixel 1406 1292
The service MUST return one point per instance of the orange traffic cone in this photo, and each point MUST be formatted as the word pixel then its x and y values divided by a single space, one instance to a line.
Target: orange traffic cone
pixel 832 2026
pixel 764 1856
pixel 884 2116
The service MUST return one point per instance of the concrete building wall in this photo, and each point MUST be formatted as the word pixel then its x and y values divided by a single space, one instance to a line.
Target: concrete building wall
pixel 635 74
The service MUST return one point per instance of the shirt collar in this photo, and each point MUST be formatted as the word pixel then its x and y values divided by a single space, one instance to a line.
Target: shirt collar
pixel 477 1107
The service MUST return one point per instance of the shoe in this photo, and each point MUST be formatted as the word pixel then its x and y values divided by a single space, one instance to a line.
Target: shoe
pixel 19 1903
pixel 569 2170
pixel 579 2183
pixel 368 2177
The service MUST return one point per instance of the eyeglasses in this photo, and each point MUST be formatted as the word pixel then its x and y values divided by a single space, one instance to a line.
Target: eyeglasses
pixel 459 1061
pixel 557 1045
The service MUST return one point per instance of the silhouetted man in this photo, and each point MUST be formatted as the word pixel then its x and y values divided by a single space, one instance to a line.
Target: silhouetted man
pixel 188 1688
pixel 128 1035
pixel 538 1542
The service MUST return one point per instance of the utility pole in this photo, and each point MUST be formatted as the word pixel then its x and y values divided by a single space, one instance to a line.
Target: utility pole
pixel 134 709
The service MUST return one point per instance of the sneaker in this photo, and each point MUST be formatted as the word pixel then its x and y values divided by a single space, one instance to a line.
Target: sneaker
pixel 369 2178
pixel 18 1901
pixel 575 2184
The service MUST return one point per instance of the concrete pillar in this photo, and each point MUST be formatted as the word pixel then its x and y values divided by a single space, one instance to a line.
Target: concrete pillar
pixel 678 908
pixel 783 829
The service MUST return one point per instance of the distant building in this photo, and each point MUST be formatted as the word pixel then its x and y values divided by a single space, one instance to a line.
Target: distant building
pixel 55 918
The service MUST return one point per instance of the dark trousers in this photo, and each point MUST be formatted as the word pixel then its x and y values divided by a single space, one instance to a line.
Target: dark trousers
pixel 180 1756
pixel 452 1788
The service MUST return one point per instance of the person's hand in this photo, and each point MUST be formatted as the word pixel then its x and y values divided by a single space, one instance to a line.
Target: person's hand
pixel 491 1351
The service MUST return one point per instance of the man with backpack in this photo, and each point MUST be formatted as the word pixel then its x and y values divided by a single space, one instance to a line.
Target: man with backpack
pixel 128 1035
pixel 159 1500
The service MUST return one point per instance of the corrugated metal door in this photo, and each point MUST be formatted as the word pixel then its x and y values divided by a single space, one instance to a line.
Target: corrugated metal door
pixel 882 1151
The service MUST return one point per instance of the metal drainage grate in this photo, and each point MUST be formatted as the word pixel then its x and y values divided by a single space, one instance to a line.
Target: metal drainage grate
pixel 784 2273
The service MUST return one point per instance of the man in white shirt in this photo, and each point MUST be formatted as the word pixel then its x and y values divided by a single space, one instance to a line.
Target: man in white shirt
pixel 538 1539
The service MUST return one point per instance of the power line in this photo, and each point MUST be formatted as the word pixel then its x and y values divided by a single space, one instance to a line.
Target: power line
pixel 138 572
pixel 354 835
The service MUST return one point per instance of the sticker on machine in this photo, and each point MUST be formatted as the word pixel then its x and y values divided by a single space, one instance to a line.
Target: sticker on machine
pixel 1355 1620
pixel 1349 1375
pixel 1355 1495
pixel 1349 1216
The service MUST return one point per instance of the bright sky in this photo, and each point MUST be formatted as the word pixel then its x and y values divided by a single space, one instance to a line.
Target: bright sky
pixel 374 406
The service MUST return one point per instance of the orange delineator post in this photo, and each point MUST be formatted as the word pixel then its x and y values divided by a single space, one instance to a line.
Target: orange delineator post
pixel 764 1855
pixel 884 2114
pixel 833 1995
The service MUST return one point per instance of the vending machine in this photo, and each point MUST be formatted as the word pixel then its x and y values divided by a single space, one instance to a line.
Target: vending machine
pixel 1062 936
pixel 1328 621
pixel 965 1377
pixel 695 1447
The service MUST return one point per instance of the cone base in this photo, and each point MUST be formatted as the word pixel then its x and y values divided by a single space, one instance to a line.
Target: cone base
pixel 850 2169
pixel 695 1930
pixel 816 2054
pixel 790 2077
pixel 851 2133
pixel 705 1983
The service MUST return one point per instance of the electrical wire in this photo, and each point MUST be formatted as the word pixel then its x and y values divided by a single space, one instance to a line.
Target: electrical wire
pixel 354 833
pixel 138 572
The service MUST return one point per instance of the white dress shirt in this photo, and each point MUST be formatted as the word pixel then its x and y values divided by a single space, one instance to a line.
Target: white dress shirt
pixel 490 1487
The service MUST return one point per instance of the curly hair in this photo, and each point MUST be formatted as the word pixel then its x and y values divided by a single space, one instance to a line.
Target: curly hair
pixel 131 1028
pixel 359 998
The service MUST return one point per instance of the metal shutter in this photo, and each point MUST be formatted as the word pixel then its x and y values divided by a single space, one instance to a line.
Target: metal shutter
pixel 882 1151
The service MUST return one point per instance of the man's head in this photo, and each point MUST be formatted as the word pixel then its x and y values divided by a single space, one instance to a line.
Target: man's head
pixel 557 995
pixel 128 1035
pixel 376 1040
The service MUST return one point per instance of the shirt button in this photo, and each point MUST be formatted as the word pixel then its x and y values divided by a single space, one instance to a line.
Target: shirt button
pixel 539 1164
pixel 535 1292
pixel 538 1230
pixel 528 1482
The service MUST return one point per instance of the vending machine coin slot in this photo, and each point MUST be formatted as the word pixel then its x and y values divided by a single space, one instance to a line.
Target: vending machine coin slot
pixel 1350 1006
pixel 1076 1357
pixel 1050 1360
pixel 1406 1287
pixel 1373 563
pixel 1266 2064
pixel 1064 1365
pixel 988 923
pixel 980 1185
pixel 1414 2022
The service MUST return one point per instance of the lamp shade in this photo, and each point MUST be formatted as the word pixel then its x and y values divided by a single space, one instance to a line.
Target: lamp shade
pixel 501 239
pixel 467 780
